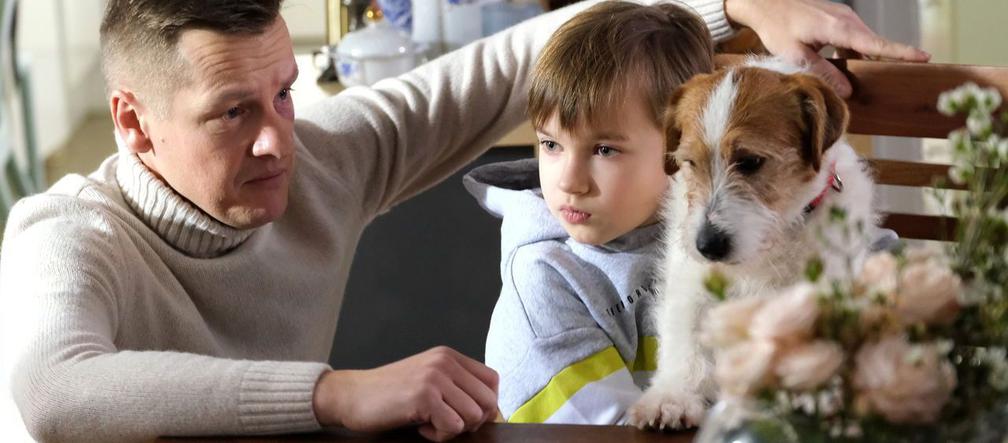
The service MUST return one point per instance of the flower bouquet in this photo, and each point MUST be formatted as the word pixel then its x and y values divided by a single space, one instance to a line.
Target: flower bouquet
pixel 908 346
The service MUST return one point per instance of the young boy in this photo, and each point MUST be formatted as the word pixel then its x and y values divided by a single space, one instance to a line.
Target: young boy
pixel 570 336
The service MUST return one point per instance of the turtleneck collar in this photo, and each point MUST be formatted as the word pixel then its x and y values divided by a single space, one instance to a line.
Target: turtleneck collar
pixel 176 220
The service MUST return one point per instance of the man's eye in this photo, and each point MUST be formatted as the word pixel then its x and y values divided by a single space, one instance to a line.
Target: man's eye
pixel 549 146
pixel 748 165
pixel 606 151
pixel 233 113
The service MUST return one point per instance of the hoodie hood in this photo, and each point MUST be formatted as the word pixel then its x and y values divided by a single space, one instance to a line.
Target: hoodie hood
pixel 511 191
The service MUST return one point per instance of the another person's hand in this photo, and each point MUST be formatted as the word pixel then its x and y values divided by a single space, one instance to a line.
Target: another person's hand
pixel 797 29
pixel 441 390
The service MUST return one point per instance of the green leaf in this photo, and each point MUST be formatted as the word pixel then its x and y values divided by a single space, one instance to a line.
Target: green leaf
pixel 814 269
pixel 717 285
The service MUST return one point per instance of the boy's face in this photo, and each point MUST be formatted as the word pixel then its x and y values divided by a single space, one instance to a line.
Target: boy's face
pixel 603 178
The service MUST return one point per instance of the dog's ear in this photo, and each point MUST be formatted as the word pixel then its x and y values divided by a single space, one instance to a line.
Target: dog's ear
pixel 672 131
pixel 824 115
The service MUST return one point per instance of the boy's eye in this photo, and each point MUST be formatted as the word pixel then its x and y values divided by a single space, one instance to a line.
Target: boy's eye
pixel 606 151
pixel 549 145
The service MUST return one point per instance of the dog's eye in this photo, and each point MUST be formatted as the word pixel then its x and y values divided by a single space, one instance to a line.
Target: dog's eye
pixel 685 162
pixel 749 164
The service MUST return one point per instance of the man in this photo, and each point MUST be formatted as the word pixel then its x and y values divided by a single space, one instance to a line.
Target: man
pixel 191 285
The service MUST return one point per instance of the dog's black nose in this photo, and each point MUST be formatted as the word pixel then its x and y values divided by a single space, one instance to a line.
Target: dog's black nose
pixel 713 243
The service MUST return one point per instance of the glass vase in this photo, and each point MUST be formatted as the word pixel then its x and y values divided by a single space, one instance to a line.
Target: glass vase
pixel 740 420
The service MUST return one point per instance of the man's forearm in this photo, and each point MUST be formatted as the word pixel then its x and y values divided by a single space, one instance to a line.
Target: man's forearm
pixel 142 395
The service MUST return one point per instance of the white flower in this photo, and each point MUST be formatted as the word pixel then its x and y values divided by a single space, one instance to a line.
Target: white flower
pixel 789 316
pixel 745 367
pixel 1002 148
pixel 990 145
pixel 995 358
pixel 879 274
pixel 958 96
pixel 946 104
pixel 809 365
pixel 958 138
pixel 989 99
pixel 970 90
pixel 958 174
pixel 979 122
pixel 902 382
pixel 929 293
pixel 728 322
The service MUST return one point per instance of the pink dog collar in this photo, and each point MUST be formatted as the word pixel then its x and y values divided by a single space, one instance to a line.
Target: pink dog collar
pixel 835 183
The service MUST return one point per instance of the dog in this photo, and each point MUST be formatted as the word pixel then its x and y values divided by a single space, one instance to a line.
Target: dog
pixel 762 164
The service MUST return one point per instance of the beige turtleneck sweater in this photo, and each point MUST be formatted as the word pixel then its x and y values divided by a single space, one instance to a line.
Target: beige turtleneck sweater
pixel 129 313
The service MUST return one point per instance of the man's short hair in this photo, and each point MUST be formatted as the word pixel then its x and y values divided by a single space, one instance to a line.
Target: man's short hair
pixel 139 37
pixel 612 49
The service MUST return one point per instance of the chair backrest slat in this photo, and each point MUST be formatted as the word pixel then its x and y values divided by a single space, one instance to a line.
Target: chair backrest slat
pixel 903 173
pixel 901 99
pixel 921 227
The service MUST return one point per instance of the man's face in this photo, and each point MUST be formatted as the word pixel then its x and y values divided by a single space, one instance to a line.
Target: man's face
pixel 604 179
pixel 226 143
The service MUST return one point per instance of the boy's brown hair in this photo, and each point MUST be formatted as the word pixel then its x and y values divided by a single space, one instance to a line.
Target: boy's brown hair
pixel 612 49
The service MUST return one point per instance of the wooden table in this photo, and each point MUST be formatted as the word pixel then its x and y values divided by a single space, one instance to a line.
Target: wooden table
pixel 494 432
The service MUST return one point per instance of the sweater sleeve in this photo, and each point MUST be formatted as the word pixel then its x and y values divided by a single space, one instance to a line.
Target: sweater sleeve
pixel 557 365
pixel 70 382
pixel 400 136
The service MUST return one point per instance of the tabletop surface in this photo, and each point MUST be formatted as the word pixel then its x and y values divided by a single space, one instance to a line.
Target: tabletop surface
pixel 494 432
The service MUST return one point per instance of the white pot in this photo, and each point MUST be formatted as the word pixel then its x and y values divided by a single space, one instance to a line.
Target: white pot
pixel 372 53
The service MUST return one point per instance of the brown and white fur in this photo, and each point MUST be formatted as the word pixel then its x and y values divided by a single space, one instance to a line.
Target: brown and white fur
pixel 756 145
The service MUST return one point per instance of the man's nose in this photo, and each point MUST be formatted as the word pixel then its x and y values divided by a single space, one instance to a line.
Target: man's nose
pixel 574 178
pixel 275 140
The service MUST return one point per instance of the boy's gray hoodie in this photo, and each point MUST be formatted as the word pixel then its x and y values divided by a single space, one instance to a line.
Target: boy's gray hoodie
pixel 569 336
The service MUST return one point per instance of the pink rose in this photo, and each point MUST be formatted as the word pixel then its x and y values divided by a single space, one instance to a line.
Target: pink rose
pixel 745 367
pixel 929 293
pixel 921 254
pixel 879 274
pixel 809 365
pixel 904 383
pixel 728 322
pixel 787 317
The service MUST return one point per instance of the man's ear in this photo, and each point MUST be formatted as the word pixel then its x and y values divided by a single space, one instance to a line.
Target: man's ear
pixel 672 132
pixel 824 115
pixel 128 116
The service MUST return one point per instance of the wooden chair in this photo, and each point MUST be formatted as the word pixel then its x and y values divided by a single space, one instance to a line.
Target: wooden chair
pixel 900 99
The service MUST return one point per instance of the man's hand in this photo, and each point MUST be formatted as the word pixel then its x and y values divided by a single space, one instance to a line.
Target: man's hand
pixel 797 29
pixel 442 391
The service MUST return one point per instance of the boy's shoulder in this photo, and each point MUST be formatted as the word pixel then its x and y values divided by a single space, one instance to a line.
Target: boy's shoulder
pixel 541 270
pixel 547 254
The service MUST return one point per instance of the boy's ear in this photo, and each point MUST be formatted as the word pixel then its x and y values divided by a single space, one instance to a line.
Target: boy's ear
pixel 128 118
pixel 672 132
pixel 824 116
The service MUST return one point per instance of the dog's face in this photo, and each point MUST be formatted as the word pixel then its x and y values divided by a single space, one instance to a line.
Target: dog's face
pixel 749 141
